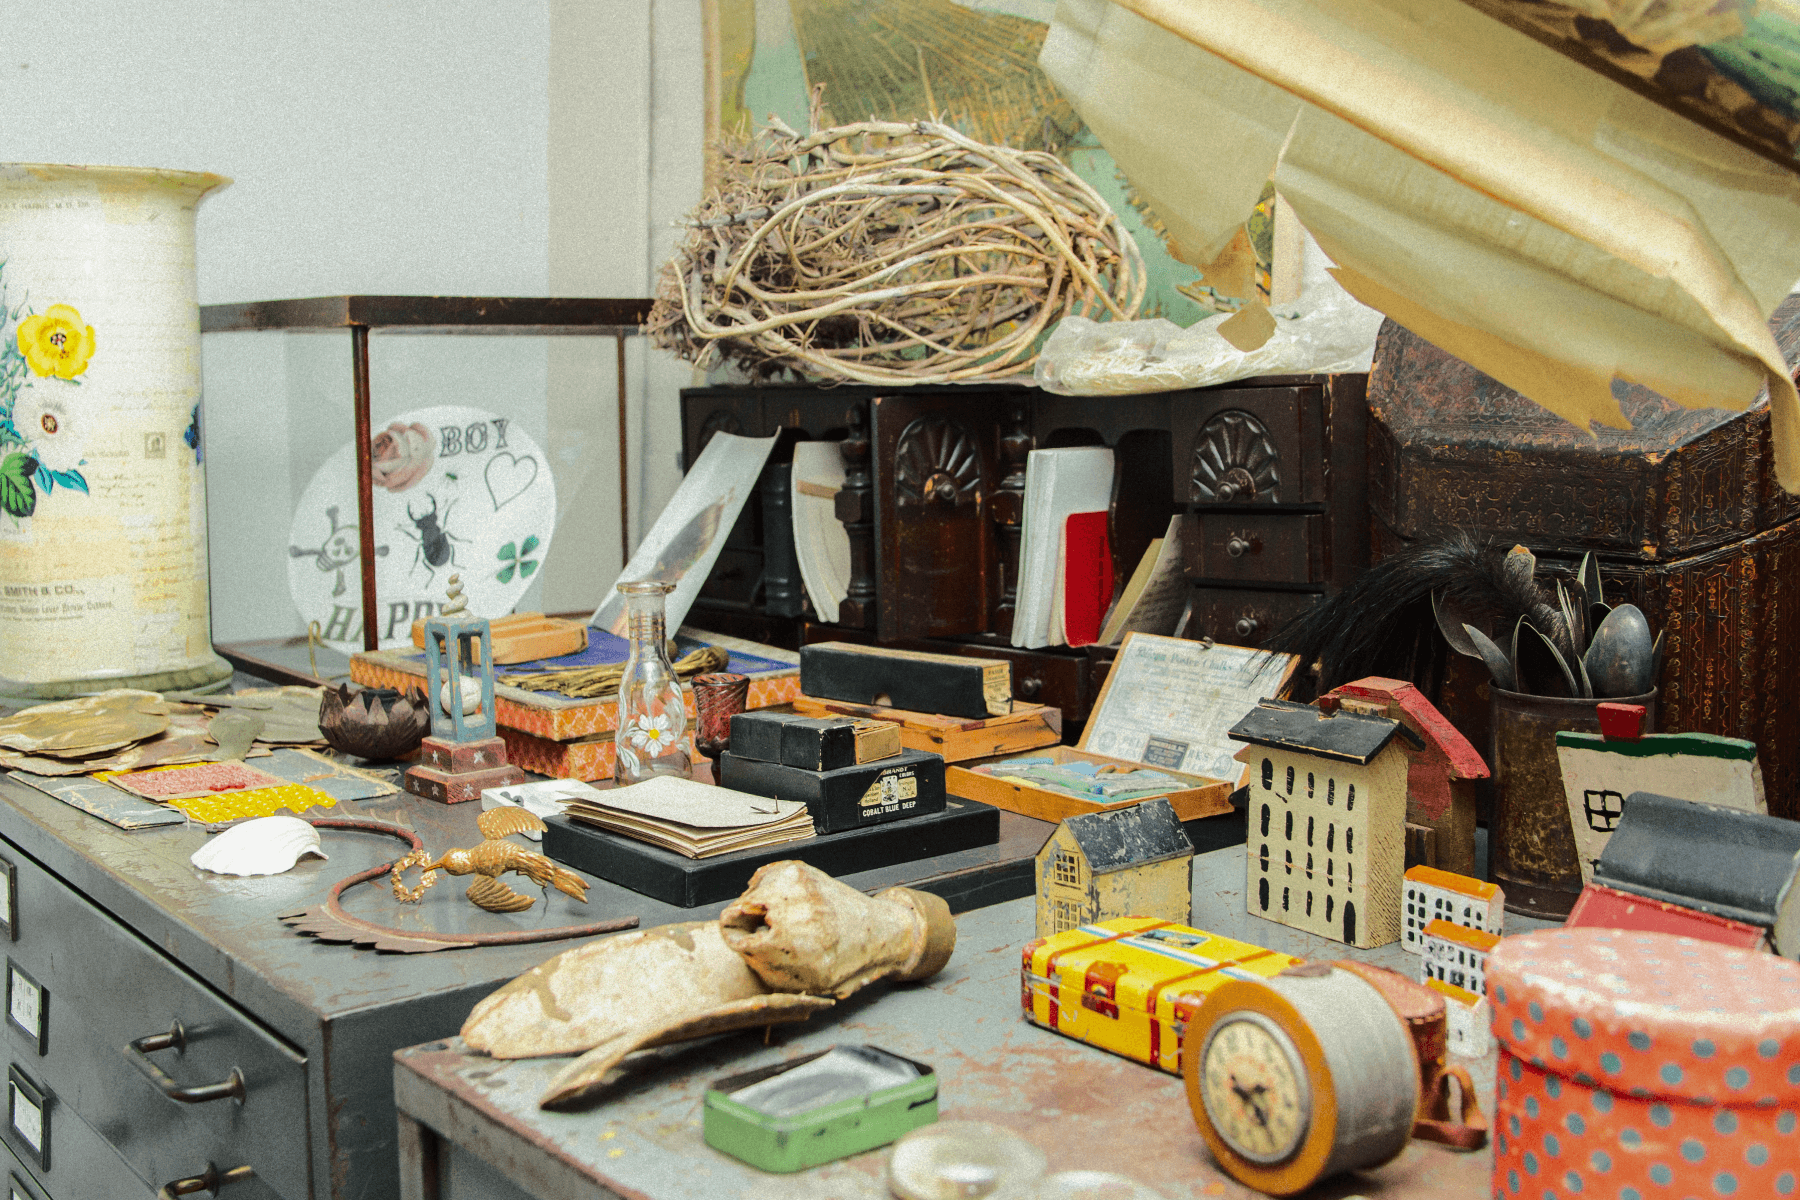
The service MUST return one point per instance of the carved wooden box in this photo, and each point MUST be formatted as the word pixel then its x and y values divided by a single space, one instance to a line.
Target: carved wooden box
pixel 1269 473
pixel 1682 509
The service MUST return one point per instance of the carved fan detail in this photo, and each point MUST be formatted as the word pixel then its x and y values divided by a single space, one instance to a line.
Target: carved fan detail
pixel 936 462
pixel 719 420
pixel 1235 461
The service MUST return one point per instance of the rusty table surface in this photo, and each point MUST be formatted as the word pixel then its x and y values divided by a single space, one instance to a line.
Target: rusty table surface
pixel 470 1125
pixel 346 1009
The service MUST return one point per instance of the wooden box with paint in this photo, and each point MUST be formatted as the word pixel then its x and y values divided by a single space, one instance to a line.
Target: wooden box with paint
pixel 1133 985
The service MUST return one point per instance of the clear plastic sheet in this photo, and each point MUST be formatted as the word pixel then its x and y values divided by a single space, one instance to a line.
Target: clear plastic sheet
pixel 1324 330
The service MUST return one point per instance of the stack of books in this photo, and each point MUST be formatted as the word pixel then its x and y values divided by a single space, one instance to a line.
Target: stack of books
pixel 692 819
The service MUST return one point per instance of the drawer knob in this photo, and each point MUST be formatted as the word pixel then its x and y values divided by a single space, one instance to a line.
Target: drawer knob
pixel 140 1050
pixel 1247 627
pixel 1029 688
pixel 1236 546
pixel 210 1180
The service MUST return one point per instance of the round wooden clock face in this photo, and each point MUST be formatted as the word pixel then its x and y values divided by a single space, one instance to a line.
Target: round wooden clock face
pixel 1253 1086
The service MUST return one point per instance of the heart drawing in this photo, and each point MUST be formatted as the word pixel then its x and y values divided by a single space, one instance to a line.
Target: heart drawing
pixel 508 478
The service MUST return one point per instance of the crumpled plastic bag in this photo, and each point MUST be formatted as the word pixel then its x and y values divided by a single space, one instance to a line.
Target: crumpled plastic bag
pixel 1325 330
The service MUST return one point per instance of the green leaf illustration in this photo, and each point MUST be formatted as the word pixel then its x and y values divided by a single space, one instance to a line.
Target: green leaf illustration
pixel 17 495
pixel 527 567
pixel 506 552
pixel 531 543
pixel 506 573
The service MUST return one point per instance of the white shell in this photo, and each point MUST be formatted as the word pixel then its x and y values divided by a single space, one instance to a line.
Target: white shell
pixel 265 846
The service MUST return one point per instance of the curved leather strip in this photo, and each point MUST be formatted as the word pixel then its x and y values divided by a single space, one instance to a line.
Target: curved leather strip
pixel 329 922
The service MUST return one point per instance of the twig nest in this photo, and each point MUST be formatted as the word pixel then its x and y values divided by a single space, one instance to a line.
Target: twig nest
pixel 890 252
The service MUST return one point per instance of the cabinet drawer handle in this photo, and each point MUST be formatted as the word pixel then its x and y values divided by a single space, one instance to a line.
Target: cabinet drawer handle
pixel 210 1181
pixel 1246 626
pixel 176 1039
pixel 1236 547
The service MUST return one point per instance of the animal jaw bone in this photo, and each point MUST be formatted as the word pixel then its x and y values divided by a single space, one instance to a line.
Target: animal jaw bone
pixel 803 931
pixel 795 939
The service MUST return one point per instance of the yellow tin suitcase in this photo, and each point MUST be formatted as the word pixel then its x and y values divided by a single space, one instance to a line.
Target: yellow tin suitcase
pixel 1132 985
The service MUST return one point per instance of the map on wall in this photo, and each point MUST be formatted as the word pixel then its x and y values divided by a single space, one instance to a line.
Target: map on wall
pixel 973 63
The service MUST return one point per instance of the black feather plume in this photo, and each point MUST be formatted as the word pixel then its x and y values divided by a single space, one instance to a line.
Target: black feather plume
pixel 1382 624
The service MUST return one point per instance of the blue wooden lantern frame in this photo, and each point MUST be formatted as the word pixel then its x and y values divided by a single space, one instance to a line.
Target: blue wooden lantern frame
pixel 456 647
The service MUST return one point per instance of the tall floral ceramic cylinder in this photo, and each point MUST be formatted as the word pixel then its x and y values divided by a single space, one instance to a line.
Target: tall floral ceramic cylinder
pixel 103 577
pixel 652 737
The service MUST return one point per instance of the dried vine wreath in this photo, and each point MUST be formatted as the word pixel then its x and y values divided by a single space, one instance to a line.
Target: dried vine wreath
pixel 888 252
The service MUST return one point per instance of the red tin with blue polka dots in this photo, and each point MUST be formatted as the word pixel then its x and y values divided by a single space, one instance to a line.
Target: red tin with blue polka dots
pixel 1637 1066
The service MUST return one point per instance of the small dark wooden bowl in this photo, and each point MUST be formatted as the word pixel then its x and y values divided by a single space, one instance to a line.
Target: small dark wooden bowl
pixel 375 723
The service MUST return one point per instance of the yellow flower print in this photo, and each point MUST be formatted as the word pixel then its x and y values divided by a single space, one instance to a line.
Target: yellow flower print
pixel 55 342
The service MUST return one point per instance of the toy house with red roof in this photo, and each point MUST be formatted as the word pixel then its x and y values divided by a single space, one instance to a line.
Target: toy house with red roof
pixel 1440 776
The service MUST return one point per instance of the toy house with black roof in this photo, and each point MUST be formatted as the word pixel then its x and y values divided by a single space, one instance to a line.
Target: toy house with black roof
pixel 1741 866
pixel 1327 810
pixel 1126 862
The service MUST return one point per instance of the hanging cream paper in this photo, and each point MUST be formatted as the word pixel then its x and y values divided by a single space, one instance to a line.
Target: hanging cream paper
pixel 1545 224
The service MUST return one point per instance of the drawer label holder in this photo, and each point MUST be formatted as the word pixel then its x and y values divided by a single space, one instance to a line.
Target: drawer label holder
pixel 27 1006
pixel 28 1117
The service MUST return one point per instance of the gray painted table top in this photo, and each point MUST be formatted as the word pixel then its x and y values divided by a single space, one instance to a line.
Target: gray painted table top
pixel 224 929
pixel 1085 1108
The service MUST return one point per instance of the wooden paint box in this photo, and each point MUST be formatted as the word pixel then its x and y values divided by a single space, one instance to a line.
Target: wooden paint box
pixel 1167 704
pixel 526 637
pixel 1133 985
pixel 1203 797
pixel 954 739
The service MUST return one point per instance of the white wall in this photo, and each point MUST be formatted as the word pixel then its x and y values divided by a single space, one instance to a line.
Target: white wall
pixel 474 147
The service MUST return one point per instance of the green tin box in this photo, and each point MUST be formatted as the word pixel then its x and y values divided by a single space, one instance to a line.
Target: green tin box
pixel 821 1107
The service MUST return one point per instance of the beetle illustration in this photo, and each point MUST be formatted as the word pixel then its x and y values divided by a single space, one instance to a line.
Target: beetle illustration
pixel 338 551
pixel 435 549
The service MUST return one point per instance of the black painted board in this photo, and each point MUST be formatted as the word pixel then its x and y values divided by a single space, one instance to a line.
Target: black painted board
pixel 901 788
pixel 976 688
pixel 689 882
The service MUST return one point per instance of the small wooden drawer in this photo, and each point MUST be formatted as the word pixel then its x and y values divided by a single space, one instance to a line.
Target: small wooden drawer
pixel 1258 445
pixel 117 989
pixel 1242 616
pixel 1241 547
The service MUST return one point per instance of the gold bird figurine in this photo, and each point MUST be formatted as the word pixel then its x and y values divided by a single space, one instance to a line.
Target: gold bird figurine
pixel 495 857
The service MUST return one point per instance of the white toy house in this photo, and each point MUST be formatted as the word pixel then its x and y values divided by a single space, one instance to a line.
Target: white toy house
pixel 1466 1017
pixel 1327 844
pixel 1457 955
pixel 1434 895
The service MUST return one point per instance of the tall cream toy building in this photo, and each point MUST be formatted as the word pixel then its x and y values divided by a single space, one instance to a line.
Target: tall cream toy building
pixel 1327 841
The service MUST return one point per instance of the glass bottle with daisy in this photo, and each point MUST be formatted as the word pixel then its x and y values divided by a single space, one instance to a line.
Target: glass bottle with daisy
pixel 652 737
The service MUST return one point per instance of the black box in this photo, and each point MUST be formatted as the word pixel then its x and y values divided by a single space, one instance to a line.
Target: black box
pixel 910 784
pixel 976 688
pixel 829 743
pixel 690 882
pixel 758 734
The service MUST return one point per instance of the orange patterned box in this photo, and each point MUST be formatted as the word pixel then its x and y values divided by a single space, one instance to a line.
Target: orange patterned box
pixel 559 736
pixel 1638 1064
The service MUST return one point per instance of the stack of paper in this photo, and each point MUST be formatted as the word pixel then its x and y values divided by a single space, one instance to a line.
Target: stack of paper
pixel 693 819
pixel 1058 484
pixel 1152 601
